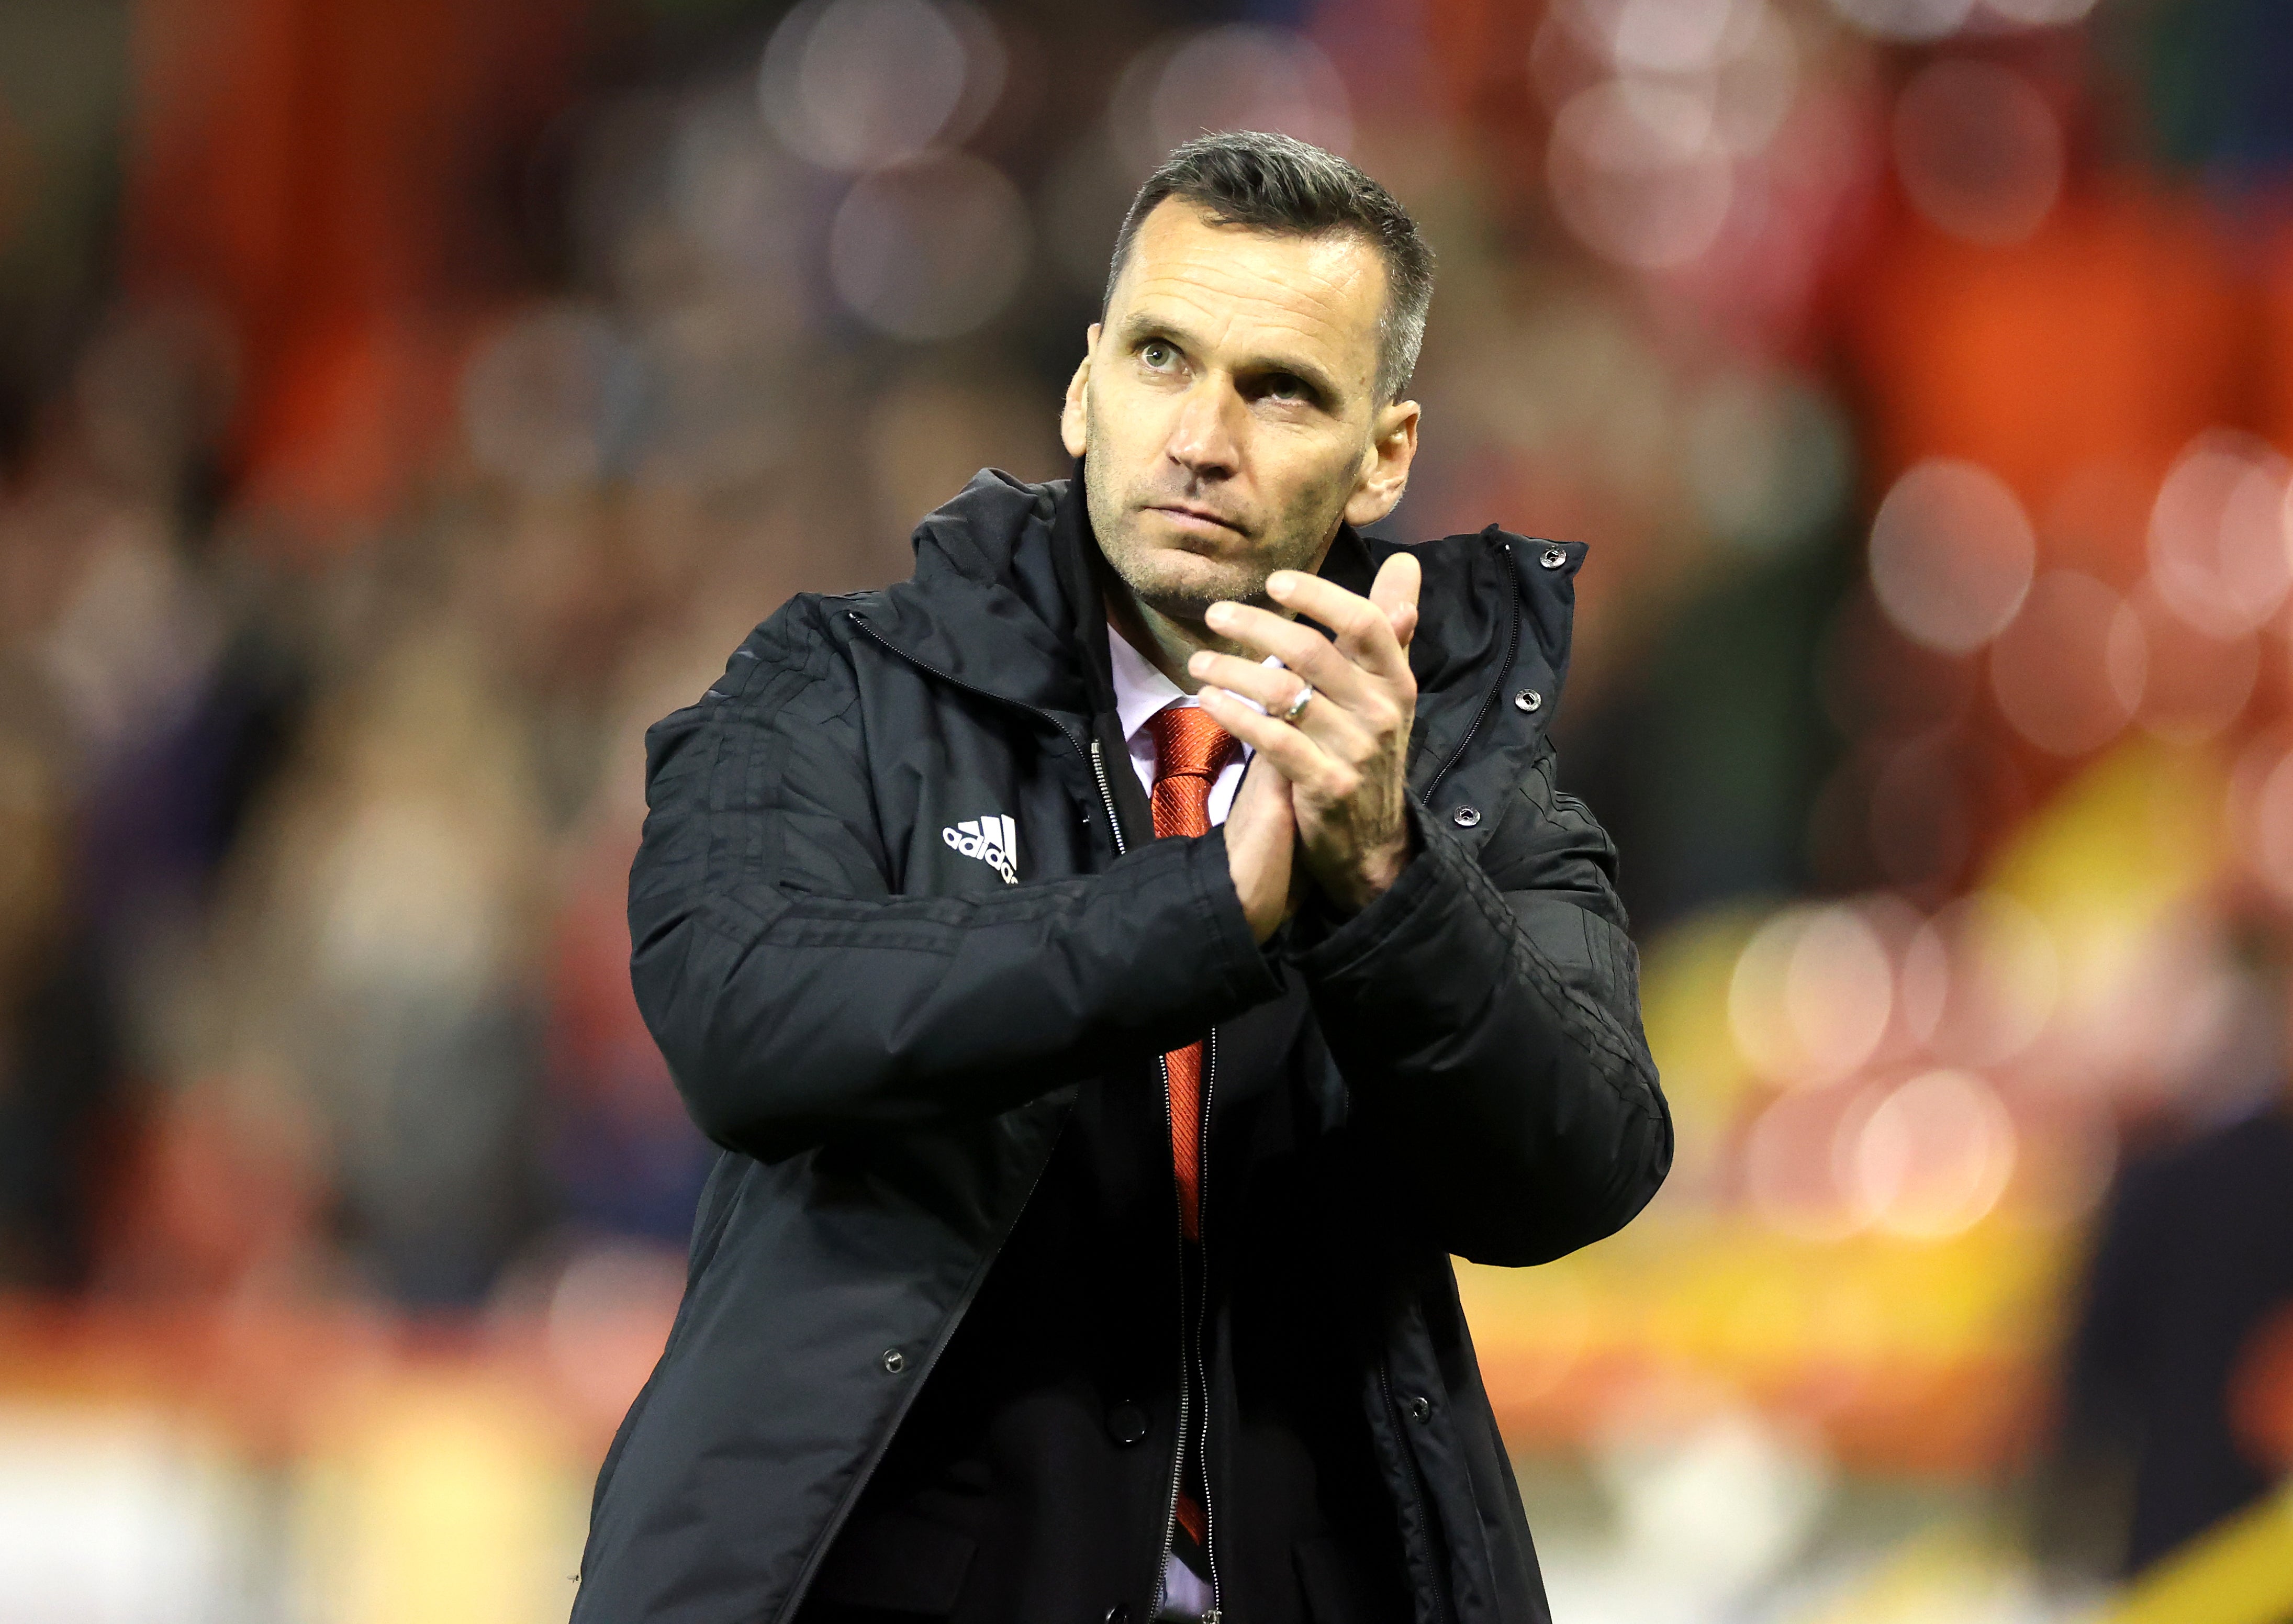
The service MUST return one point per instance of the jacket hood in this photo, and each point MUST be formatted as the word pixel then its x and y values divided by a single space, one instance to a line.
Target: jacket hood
pixel 1001 599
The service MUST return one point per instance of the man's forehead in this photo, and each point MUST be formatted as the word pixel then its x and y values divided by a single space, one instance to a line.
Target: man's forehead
pixel 1244 285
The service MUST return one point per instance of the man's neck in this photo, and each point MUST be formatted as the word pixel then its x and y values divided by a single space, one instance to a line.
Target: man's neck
pixel 1164 642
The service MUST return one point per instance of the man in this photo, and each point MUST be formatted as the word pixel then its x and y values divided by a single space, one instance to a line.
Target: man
pixel 1121 964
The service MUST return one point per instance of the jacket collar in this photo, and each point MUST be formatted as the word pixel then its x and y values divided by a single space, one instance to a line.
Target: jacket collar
pixel 989 607
pixel 1008 594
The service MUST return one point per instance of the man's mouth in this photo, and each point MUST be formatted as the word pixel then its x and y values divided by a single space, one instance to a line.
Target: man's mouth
pixel 1201 519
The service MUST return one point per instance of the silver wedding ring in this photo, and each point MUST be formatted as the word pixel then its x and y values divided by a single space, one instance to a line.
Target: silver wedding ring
pixel 1305 698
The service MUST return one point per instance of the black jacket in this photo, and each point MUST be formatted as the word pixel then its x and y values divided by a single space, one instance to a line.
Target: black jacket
pixel 917 1067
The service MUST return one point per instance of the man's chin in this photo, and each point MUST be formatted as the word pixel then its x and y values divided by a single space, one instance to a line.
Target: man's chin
pixel 1184 589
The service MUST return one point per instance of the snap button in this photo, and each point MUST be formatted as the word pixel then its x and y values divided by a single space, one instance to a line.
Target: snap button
pixel 1527 698
pixel 1465 817
pixel 1420 1408
pixel 1120 1613
pixel 894 1362
pixel 1553 557
pixel 1126 1424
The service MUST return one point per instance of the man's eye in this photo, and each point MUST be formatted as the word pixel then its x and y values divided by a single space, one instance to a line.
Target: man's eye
pixel 1157 354
pixel 1286 388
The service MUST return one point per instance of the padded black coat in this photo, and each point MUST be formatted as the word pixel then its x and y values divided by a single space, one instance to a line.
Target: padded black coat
pixel 887 1038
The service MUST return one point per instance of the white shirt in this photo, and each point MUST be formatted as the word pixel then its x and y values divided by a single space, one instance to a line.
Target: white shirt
pixel 1140 692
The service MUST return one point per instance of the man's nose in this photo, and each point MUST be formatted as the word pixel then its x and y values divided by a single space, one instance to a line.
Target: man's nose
pixel 1203 441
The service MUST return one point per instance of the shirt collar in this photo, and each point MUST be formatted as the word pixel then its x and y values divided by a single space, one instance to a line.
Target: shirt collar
pixel 1140 690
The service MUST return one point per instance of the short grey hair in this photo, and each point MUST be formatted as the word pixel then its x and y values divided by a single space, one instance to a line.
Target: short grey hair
pixel 1278 183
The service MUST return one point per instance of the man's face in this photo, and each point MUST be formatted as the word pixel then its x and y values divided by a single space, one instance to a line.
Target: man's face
pixel 1228 408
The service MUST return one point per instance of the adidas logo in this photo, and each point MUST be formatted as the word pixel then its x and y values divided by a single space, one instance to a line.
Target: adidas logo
pixel 994 840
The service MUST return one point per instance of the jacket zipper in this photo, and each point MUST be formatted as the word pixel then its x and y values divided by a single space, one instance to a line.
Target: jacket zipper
pixel 1416 1491
pixel 1106 794
pixel 1488 699
pixel 1093 756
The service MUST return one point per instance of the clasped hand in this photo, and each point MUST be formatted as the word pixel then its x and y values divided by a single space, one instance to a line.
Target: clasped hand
pixel 1335 802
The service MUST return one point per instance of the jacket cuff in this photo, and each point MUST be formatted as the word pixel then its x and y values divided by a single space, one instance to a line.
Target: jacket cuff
pixel 1325 943
pixel 1253 974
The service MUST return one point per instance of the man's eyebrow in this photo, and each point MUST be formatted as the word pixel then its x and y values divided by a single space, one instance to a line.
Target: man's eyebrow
pixel 1312 376
pixel 1141 325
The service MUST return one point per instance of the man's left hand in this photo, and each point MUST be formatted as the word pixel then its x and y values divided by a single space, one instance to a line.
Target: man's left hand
pixel 1344 754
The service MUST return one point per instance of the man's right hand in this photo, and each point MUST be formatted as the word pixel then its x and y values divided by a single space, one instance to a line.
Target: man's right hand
pixel 1260 840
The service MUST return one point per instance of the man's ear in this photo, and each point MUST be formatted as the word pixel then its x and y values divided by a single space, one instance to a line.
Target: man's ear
pixel 1385 465
pixel 1074 415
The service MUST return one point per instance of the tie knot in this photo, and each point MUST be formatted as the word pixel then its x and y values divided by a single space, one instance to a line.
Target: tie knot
pixel 1188 742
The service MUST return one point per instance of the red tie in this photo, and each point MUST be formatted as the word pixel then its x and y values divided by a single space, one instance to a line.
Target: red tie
pixel 1190 751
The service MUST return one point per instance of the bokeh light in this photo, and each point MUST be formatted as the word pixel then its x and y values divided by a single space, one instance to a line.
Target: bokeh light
pixel 929 250
pixel 1755 88
pixel 2197 684
pixel 1811 994
pixel 2069 672
pixel 2040 13
pixel 1978 150
pixel 1981 980
pixel 1952 555
pixel 1905 19
pixel 1639 172
pixel 1931 1156
pixel 2261 813
pixel 2221 550
pixel 855 84
pixel 1665 36
pixel 1791 1164
pixel 1239 77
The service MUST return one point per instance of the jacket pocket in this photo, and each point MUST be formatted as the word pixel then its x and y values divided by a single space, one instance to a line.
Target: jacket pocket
pixel 897 1562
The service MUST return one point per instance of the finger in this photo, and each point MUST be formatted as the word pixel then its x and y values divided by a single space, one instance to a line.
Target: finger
pixel 1295 756
pixel 1396 585
pixel 1323 720
pixel 1305 651
pixel 1395 591
pixel 1266 682
pixel 1272 686
pixel 1363 632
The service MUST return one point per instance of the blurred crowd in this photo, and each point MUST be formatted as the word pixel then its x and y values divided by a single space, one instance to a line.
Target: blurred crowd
pixel 402 405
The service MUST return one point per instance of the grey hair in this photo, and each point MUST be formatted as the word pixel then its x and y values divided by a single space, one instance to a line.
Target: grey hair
pixel 1278 183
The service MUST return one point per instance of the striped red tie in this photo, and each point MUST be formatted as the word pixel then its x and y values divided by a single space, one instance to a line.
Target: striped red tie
pixel 1190 751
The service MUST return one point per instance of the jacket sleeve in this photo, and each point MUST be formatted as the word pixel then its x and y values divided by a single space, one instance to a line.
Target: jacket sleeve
pixel 797 1000
pixel 1485 1014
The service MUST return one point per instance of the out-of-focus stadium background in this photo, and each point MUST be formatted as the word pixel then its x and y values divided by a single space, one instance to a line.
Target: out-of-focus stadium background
pixel 404 402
